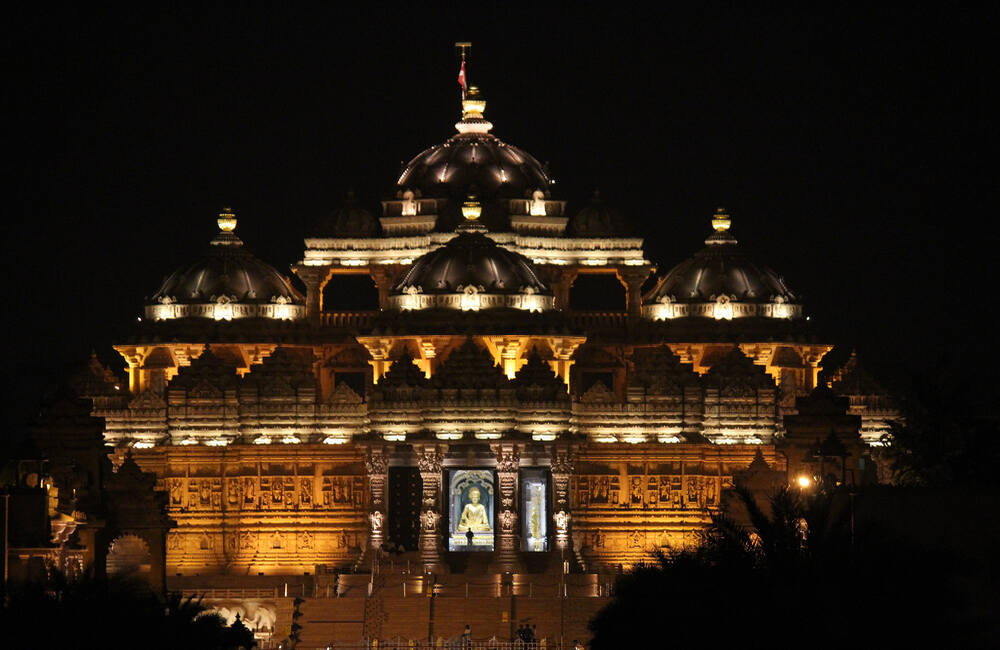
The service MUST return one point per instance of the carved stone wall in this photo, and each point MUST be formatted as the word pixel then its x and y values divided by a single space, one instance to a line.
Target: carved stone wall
pixel 260 510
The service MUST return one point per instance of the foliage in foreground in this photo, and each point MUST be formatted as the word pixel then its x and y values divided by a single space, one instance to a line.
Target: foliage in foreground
pixel 120 612
pixel 793 580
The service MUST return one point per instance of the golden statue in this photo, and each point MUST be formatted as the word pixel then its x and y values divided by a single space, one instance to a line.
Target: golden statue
pixel 474 515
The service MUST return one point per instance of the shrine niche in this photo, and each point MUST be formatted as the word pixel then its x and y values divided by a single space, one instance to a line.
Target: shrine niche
pixel 471 510
pixel 534 510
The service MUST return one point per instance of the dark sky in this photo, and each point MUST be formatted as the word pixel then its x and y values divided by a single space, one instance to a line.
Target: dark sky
pixel 847 145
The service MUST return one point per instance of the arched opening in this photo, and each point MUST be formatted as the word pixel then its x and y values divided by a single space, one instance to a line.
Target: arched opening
pixel 350 292
pixel 128 555
pixel 597 292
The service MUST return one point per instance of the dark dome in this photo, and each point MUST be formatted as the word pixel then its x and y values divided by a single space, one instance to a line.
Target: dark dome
pixel 721 270
pixel 227 274
pixel 597 219
pixel 351 220
pixel 480 160
pixel 473 158
pixel 472 258
pixel 722 273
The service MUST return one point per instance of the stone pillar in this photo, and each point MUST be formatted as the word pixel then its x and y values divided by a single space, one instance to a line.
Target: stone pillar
pixel 429 459
pixel 633 277
pixel 560 279
pixel 384 278
pixel 562 469
pixel 315 279
pixel 508 542
pixel 377 469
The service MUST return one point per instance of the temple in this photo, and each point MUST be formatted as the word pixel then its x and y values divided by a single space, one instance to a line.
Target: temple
pixel 473 450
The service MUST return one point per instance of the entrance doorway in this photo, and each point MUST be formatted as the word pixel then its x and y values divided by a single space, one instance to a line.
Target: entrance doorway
pixel 405 488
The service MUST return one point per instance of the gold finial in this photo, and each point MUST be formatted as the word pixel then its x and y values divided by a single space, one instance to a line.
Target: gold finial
pixel 471 209
pixel 227 220
pixel 473 106
pixel 721 220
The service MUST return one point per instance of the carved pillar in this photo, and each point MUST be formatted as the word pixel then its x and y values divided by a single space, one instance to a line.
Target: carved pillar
pixel 429 459
pixel 384 278
pixel 508 463
pixel 560 279
pixel 562 468
pixel 315 278
pixel 633 277
pixel 377 469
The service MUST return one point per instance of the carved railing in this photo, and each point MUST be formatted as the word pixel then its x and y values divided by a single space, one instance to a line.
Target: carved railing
pixel 589 320
pixel 348 319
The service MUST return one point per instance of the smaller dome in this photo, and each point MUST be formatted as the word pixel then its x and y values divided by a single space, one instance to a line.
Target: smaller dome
pixel 597 219
pixel 721 282
pixel 227 282
pixel 351 220
pixel 471 272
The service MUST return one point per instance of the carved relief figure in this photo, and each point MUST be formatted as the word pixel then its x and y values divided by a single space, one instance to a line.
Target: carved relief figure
pixel 249 493
pixel 376 520
pixel 507 520
pixel 305 491
pixel 176 491
pixel 233 491
pixel 430 519
pixel 635 492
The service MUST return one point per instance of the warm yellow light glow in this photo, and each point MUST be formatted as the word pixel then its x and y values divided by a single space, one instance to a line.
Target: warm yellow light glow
pixel 804 481
pixel 471 300
pixel 721 221
pixel 143 445
pixel 227 220
pixel 471 209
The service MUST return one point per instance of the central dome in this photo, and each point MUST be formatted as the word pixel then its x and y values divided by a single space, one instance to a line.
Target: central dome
pixel 474 160
pixel 471 272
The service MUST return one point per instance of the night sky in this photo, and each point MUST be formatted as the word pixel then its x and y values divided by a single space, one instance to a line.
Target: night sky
pixel 847 145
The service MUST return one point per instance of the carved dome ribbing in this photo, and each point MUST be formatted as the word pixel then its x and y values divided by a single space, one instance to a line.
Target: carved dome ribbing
pixel 471 272
pixel 721 281
pixel 227 282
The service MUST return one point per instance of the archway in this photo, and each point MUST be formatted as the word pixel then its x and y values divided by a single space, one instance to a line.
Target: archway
pixel 350 292
pixel 597 292
pixel 129 555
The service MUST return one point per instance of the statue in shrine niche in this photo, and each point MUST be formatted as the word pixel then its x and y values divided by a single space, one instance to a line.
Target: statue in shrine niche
pixel 474 515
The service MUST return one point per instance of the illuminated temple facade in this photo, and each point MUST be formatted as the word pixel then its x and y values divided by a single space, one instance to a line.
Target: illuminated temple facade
pixel 475 421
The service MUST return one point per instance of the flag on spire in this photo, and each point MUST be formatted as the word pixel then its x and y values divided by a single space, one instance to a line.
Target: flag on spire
pixel 461 77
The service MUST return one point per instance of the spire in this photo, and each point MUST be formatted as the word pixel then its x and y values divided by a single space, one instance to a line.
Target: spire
pixel 473 104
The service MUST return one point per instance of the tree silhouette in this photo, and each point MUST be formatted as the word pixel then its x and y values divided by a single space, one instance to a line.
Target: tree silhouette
pixel 118 612
pixel 791 579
